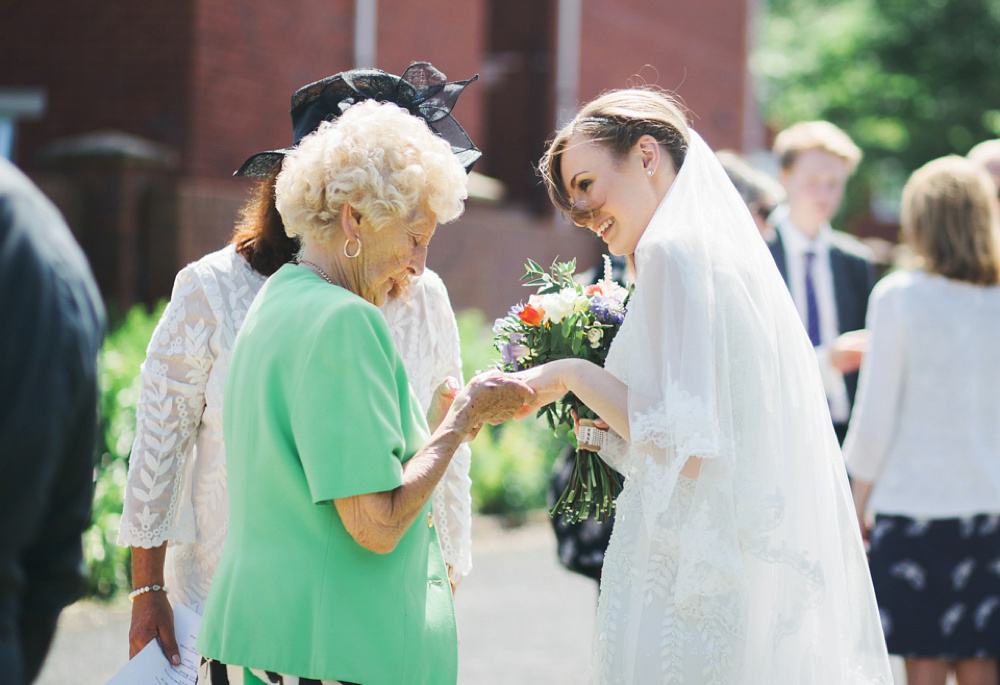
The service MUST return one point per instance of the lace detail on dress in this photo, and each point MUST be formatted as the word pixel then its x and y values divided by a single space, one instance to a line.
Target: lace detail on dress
pixel 682 426
pixel 641 610
pixel 176 488
pixel 424 329
pixel 614 451
pixel 171 401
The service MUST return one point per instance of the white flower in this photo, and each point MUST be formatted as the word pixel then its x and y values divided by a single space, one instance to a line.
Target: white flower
pixel 558 305
pixel 614 291
pixel 594 336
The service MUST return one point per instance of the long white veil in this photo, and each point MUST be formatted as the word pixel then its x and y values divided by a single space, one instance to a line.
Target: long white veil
pixel 727 374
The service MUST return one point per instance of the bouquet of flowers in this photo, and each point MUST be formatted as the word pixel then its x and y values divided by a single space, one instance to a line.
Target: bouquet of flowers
pixel 566 319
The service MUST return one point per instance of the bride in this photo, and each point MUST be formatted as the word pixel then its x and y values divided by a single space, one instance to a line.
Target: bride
pixel 735 556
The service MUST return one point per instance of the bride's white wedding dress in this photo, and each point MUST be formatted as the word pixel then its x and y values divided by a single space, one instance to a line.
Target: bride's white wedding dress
pixel 753 571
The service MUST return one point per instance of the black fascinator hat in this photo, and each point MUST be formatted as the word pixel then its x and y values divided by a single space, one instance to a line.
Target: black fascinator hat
pixel 422 90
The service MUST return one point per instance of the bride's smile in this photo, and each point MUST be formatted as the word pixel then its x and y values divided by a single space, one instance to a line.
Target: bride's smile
pixel 615 197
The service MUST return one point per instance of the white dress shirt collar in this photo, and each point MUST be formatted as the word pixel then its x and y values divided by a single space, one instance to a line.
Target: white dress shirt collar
pixel 796 244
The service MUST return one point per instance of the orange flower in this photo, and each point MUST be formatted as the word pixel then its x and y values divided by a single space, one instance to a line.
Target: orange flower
pixel 532 315
pixel 593 290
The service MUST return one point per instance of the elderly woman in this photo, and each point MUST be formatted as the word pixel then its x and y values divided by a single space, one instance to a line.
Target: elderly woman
pixel 924 447
pixel 332 568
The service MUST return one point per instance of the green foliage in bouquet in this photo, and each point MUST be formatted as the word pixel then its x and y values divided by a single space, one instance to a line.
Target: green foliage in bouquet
pixel 511 462
pixel 564 320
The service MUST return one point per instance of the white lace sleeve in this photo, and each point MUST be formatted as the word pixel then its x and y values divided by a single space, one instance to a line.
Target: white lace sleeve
pixel 453 495
pixel 614 452
pixel 171 403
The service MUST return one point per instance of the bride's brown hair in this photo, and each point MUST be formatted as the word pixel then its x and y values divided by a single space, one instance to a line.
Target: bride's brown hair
pixel 616 120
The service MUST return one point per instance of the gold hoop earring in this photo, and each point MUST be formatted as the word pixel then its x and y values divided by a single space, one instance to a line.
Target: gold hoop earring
pixel 356 252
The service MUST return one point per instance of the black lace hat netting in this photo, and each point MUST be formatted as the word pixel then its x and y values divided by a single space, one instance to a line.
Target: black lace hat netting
pixel 422 90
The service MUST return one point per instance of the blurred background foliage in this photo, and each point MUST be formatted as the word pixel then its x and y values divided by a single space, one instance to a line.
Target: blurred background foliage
pixel 909 80
pixel 510 465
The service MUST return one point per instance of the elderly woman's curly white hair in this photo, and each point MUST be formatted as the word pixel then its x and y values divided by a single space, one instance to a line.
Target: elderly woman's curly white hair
pixel 384 161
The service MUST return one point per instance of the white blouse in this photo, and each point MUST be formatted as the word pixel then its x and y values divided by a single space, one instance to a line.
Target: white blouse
pixel 176 489
pixel 926 424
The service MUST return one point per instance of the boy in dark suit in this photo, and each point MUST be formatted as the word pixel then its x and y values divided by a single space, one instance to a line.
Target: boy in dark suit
pixel 829 273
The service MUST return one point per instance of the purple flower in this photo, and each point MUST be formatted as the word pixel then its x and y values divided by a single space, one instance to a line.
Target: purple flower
pixel 514 350
pixel 606 310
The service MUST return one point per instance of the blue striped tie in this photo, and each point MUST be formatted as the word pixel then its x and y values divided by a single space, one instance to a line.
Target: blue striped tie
pixel 812 307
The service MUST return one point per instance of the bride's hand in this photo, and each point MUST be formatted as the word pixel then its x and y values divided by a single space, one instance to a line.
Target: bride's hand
pixel 598 423
pixel 549 383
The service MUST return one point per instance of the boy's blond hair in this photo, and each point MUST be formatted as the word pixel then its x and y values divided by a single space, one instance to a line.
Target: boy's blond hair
pixel 815 135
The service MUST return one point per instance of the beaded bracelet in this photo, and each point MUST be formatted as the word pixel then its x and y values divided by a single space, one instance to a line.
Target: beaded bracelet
pixel 148 588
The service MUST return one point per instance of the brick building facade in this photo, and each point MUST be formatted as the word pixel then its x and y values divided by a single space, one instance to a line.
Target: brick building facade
pixel 197 85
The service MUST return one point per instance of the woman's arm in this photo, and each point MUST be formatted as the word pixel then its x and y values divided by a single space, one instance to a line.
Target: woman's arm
pixel 152 616
pixel 878 403
pixel 377 521
pixel 861 491
pixel 603 393
pixel 168 417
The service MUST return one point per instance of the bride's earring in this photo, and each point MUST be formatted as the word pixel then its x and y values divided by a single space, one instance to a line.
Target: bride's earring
pixel 649 172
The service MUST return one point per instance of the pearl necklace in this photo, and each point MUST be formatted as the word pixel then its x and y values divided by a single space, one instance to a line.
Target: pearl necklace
pixel 320 272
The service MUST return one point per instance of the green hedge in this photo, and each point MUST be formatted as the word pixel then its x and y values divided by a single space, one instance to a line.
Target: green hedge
pixel 510 464
pixel 122 353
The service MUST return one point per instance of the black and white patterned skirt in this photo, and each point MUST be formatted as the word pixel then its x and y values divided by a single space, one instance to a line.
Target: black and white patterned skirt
pixel 212 672
pixel 937 582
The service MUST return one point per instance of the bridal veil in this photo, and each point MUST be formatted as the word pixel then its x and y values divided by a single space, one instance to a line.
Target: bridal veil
pixel 719 368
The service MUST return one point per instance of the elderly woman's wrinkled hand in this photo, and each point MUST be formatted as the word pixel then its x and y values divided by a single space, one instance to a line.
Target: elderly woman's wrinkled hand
pixel 490 397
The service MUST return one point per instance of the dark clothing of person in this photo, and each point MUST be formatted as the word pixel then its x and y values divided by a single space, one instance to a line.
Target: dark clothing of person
pixel 935 582
pixel 51 325
pixel 853 279
pixel 580 545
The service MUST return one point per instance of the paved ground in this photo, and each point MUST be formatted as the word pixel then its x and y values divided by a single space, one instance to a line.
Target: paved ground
pixel 521 619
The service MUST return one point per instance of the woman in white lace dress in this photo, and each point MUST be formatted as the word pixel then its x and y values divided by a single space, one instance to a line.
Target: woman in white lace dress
pixel 175 515
pixel 734 556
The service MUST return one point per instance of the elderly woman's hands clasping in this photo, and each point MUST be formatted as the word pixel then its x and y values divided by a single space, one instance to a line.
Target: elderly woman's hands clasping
pixel 378 520
pixel 490 397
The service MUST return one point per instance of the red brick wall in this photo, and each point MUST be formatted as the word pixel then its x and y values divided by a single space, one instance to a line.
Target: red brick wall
pixel 212 79
pixel 450 34
pixel 123 65
pixel 696 49
pixel 250 57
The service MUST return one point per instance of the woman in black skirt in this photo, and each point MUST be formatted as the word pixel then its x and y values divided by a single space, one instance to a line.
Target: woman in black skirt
pixel 924 442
